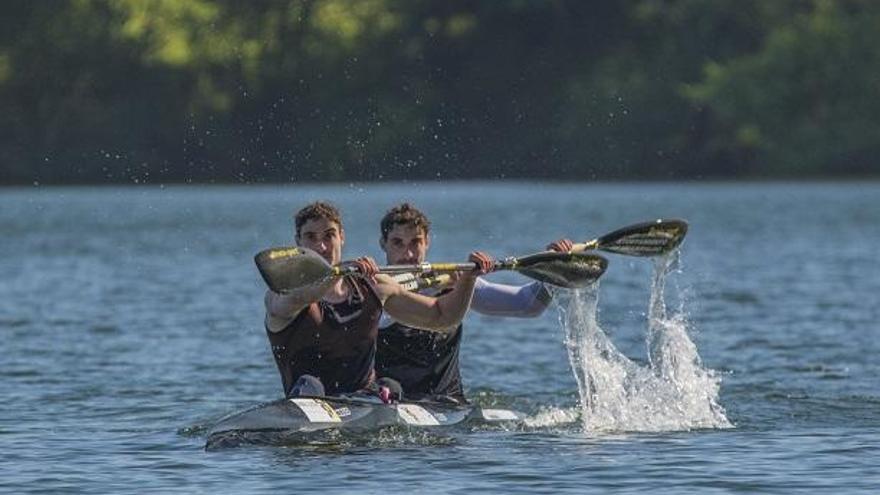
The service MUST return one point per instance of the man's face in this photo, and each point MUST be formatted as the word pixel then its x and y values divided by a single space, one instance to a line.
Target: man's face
pixel 405 245
pixel 323 236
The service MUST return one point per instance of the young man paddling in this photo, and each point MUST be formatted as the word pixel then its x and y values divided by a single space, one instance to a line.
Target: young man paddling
pixel 427 363
pixel 323 337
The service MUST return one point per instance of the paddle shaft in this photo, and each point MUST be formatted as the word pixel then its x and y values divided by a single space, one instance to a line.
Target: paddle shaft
pixel 585 246
pixel 427 268
pixel 415 282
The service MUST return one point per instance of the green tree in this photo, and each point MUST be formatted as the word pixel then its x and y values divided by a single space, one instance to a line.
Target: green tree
pixel 806 102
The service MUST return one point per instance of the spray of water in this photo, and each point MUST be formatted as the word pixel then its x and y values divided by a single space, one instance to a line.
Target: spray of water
pixel 672 392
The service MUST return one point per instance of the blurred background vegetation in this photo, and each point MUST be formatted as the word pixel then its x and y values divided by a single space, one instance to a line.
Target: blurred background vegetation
pixel 225 91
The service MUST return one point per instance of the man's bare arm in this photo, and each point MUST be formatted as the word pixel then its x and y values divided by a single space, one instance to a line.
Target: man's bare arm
pixel 281 309
pixel 440 314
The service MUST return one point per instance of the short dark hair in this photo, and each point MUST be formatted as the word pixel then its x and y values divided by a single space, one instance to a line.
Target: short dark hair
pixel 315 211
pixel 404 214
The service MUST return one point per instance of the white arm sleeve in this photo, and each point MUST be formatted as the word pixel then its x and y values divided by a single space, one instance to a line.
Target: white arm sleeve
pixel 524 301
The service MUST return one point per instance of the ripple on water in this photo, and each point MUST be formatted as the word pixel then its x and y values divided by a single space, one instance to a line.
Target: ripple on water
pixel 154 329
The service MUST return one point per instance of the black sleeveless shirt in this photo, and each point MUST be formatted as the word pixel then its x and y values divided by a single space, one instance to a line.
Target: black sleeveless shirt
pixel 334 342
pixel 424 362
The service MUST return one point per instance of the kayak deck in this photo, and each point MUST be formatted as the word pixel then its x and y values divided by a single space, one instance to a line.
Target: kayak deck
pixel 288 418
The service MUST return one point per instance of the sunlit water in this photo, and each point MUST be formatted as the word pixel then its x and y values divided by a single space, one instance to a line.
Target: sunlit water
pixel 131 320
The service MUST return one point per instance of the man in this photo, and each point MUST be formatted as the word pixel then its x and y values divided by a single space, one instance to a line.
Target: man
pixel 323 337
pixel 427 363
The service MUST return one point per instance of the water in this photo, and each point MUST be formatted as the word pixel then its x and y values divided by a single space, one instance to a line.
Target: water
pixel 671 392
pixel 131 319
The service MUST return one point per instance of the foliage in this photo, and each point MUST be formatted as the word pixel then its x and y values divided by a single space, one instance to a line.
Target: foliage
pixel 313 90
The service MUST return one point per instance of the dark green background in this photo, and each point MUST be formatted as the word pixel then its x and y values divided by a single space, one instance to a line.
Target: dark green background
pixel 228 91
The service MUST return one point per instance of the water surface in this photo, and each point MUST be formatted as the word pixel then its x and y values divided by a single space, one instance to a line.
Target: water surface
pixel 131 319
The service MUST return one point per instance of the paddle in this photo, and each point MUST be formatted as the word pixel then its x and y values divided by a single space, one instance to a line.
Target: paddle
pixel 416 281
pixel 289 268
pixel 642 239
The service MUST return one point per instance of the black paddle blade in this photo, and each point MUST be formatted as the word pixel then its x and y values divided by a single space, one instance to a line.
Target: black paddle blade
pixel 645 239
pixel 288 268
pixel 569 270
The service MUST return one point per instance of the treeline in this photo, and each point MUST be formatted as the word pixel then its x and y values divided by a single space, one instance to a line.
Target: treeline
pixel 314 90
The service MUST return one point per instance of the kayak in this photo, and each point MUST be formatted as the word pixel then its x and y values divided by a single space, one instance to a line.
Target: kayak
pixel 286 419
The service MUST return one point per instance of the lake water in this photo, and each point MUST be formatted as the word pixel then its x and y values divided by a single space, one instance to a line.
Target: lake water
pixel 131 319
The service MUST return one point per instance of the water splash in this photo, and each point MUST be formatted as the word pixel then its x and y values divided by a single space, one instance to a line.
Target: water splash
pixel 672 392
